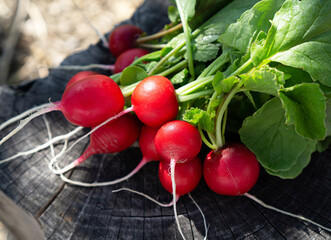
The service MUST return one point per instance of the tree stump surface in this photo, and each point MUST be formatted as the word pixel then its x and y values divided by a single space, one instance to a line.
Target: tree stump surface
pixel 70 212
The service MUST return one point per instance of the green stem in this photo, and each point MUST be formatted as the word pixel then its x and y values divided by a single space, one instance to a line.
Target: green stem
pixel 221 111
pixel 159 34
pixel 174 68
pixel 153 56
pixel 127 90
pixel 243 68
pixel 187 33
pixel 165 58
pixel 192 86
pixel 116 77
pixel 224 124
pixel 215 65
pixel 185 98
pixel 150 45
pixel 204 139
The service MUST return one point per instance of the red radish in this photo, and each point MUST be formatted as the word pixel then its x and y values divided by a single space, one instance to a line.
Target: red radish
pixel 127 57
pixel 154 101
pixel 80 75
pixel 92 101
pixel 232 170
pixel 112 137
pixel 86 103
pixel 147 147
pixel 146 144
pixel 187 177
pixel 123 38
pixel 178 140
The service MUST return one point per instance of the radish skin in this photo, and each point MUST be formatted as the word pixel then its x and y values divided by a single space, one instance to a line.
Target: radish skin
pixel 113 137
pixel 146 143
pixel 86 103
pixel 232 170
pixel 177 142
pixel 123 38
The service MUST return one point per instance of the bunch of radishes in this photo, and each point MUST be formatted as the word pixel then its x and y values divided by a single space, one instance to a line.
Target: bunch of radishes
pixel 151 111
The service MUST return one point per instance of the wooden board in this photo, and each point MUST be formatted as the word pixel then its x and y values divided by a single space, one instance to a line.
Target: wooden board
pixel 70 212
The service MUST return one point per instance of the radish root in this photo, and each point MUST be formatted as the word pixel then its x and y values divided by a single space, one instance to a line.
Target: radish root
pixel 23 115
pixel 43 146
pixel 46 108
pixel 203 216
pixel 172 169
pixel 173 202
pixel 102 184
pixel 284 212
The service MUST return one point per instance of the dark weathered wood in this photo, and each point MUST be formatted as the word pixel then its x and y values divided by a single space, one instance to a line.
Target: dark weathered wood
pixel 97 213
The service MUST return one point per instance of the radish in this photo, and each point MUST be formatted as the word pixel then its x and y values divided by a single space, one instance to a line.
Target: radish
pixel 177 142
pixel 123 38
pixel 127 57
pixel 232 170
pixel 187 177
pixel 80 75
pixel 112 137
pixel 153 100
pixel 85 103
pixel 147 147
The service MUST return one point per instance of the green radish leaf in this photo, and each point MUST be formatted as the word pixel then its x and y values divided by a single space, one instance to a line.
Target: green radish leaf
pixel 197 116
pixel 293 76
pixel 239 35
pixel 228 83
pixel 205 52
pixel 223 85
pixel 219 76
pixel 302 162
pixel 173 14
pixel 153 56
pixel 313 56
pixel 300 37
pixel 179 77
pixel 276 145
pixel 132 74
pixel 204 48
pixel 210 31
pixel 305 106
pixel 265 80
pixel 186 8
pixel 328 117
pixel 165 51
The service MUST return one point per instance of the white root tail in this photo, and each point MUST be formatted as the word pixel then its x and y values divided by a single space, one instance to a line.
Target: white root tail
pixel 203 216
pixel 284 212
pixel 173 182
pixel 43 146
pixel 108 183
pixel 23 115
pixel 148 197
pixel 47 108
